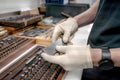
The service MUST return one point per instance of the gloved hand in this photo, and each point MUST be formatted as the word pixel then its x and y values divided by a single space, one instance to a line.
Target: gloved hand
pixel 74 57
pixel 66 28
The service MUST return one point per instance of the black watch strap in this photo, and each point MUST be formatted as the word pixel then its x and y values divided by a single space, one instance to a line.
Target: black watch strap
pixel 106 63
pixel 106 53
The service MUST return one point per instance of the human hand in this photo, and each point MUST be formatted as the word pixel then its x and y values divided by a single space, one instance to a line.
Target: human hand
pixel 66 28
pixel 74 57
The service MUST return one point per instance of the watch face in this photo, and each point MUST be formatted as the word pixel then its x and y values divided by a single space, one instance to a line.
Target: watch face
pixel 106 64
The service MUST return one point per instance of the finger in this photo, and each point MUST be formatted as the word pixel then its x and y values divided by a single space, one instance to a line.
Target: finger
pixel 56 34
pixel 61 49
pixel 66 37
pixel 71 37
pixel 70 40
pixel 57 59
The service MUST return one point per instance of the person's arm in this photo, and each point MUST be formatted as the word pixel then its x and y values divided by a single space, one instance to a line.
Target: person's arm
pixel 88 16
pixel 80 57
pixel 70 26
pixel 96 56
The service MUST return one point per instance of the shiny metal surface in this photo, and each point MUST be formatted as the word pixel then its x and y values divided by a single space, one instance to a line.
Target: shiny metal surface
pixel 51 48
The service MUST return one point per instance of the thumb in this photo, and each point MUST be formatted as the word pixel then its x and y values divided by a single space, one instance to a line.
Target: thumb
pixel 61 49
pixel 66 37
pixel 57 59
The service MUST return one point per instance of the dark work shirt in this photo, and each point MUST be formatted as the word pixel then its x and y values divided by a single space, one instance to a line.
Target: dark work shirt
pixel 106 28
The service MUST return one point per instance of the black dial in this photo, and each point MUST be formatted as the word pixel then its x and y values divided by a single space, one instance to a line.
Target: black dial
pixel 106 64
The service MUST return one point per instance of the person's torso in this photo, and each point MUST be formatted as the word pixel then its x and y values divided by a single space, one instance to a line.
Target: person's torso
pixel 106 28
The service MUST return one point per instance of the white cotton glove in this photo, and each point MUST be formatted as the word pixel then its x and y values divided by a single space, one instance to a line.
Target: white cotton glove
pixel 67 28
pixel 74 57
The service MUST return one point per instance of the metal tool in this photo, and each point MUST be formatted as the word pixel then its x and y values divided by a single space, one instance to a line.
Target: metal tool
pixel 51 49
pixel 65 15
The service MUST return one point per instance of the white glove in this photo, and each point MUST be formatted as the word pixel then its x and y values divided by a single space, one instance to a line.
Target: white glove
pixel 67 28
pixel 74 57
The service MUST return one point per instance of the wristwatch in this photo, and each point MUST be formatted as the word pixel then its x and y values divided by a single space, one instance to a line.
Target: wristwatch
pixel 106 62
